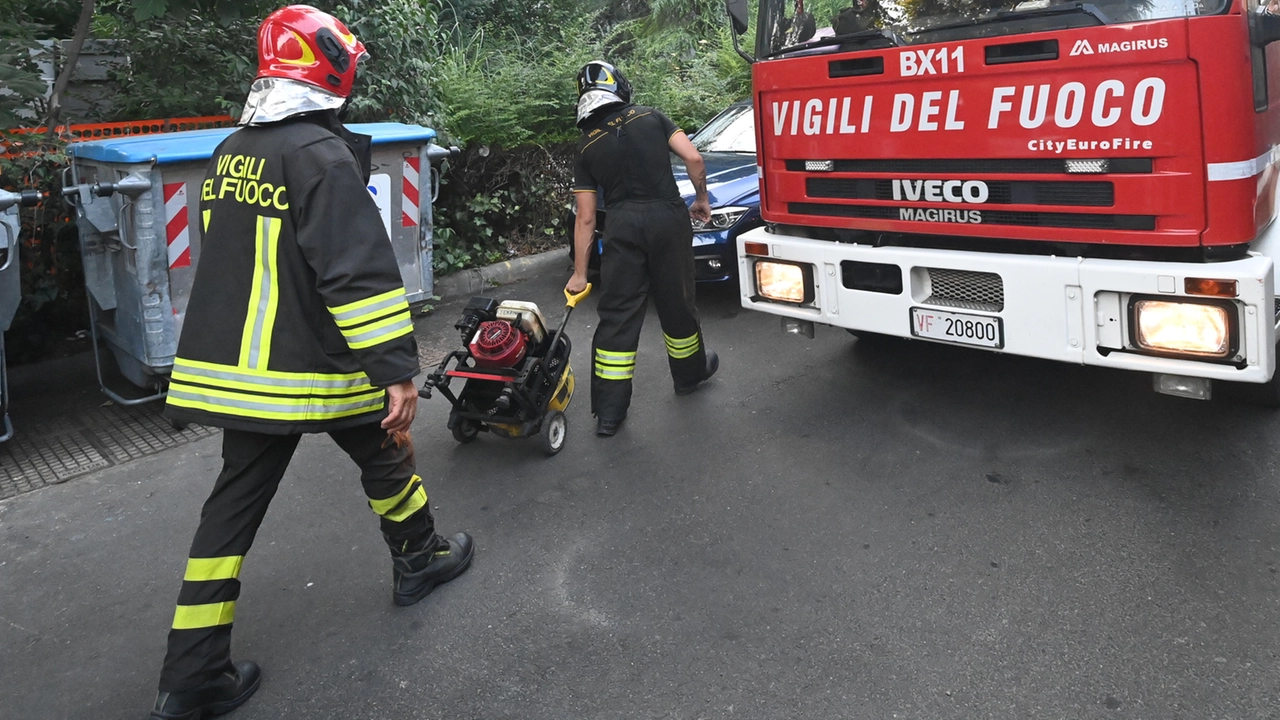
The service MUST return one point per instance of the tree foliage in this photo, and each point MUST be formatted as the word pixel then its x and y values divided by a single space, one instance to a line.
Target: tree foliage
pixel 496 78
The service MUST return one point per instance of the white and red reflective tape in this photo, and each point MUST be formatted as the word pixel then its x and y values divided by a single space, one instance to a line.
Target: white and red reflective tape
pixel 177 232
pixel 409 208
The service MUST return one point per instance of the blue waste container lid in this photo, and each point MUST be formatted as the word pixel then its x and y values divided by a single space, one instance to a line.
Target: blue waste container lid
pixel 168 148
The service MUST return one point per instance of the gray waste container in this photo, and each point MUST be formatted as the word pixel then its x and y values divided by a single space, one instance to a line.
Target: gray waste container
pixel 10 283
pixel 137 203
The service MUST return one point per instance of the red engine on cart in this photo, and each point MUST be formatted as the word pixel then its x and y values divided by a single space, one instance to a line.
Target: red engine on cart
pixel 498 344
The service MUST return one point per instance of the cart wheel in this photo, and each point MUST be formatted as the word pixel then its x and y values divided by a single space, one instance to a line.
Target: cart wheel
pixel 465 431
pixel 554 428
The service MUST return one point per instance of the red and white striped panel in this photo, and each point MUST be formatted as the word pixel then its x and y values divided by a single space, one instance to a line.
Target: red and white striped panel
pixel 175 223
pixel 409 208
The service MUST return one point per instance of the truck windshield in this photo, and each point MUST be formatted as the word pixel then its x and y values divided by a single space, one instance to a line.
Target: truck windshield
pixel 786 26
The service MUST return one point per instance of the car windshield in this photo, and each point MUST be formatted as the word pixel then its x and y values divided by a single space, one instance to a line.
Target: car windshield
pixel 732 131
pixel 796 25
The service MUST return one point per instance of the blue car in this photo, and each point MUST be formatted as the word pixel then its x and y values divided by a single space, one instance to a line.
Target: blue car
pixel 728 146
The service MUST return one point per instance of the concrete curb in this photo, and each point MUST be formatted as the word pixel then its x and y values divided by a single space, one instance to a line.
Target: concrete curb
pixel 476 280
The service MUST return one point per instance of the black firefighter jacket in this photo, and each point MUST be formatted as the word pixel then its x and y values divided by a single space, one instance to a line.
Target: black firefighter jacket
pixel 298 317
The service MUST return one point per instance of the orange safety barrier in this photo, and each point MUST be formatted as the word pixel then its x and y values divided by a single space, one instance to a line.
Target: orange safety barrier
pixel 98 131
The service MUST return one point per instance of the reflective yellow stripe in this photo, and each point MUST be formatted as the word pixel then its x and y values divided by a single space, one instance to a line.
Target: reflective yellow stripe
pixel 255 340
pixel 378 311
pixel 692 340
pixel 194 617
pixel 614 372
pixel 218 568
pixel 377 333
pixel 392 509
pixel 205 214
pixel 680 348
pixel 184 377
pixel 343 312
pixel 265 381
pixel 282 402
pixel 194 365
pixel 615 357
pixel 273 408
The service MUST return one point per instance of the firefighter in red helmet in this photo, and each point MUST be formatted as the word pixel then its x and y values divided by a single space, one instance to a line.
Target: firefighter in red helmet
pixel 297 323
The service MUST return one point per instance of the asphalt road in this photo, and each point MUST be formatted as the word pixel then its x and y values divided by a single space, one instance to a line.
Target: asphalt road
pixel 832 529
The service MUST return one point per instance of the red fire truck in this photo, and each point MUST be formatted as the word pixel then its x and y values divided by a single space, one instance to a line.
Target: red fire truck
pixel 1090 183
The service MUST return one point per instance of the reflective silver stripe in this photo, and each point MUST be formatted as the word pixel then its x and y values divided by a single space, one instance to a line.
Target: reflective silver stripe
pixel 361 338
pixel 307 407
pixel 609 372
pixel 1243 169
pixel 265 300
pixel 355 317
pixel 269 382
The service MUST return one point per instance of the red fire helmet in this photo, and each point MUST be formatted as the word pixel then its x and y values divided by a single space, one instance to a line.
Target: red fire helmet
pixel 302 43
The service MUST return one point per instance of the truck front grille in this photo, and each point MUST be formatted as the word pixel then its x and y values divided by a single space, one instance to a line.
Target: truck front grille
pixel 1089 221
pixel 1001 192
pixel 965 289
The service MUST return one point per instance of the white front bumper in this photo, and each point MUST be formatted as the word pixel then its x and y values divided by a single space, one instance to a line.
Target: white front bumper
pixel 1068 309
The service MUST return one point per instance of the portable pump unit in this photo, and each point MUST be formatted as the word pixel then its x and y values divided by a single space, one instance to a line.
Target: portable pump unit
pixel 517 377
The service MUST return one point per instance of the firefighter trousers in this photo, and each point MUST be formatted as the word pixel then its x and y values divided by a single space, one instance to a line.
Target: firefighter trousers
pixel 253 463
pixel 648 251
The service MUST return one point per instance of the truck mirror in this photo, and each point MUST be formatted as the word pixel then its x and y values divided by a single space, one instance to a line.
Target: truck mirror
pixel 737 10
pixel 1266 29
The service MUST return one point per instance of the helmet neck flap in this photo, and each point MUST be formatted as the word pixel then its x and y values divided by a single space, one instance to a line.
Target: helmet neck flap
pixel 275 99
pixel 592 101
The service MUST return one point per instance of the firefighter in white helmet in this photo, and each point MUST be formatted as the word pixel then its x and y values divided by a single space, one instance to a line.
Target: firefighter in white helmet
pixel 624 152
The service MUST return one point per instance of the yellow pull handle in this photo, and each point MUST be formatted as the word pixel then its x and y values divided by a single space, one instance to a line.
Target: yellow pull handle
pixel 572 300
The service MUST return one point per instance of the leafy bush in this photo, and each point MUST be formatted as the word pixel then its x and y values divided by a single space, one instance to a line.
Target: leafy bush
pixel 495 204
pixel 182 65
pixel 396 81
pixel 512 91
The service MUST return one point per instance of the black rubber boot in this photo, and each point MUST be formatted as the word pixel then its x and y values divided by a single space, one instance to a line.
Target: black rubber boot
pixel 416 572
pixel 713 364
pixel 608 428
pixel 220 695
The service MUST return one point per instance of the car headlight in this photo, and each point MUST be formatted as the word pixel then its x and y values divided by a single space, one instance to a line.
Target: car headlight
pixel 784 282
pixel 1185 328
pixel 721 219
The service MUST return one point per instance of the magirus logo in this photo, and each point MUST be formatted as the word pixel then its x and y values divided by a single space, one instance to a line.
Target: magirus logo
pixel 1083 47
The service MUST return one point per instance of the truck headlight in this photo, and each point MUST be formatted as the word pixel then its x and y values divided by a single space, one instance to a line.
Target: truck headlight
pixel 784 282
pixel 721 219
pixel 1184 328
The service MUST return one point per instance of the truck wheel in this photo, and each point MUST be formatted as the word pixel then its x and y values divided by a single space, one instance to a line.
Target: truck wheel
pixel 465 431
pixel 554 429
